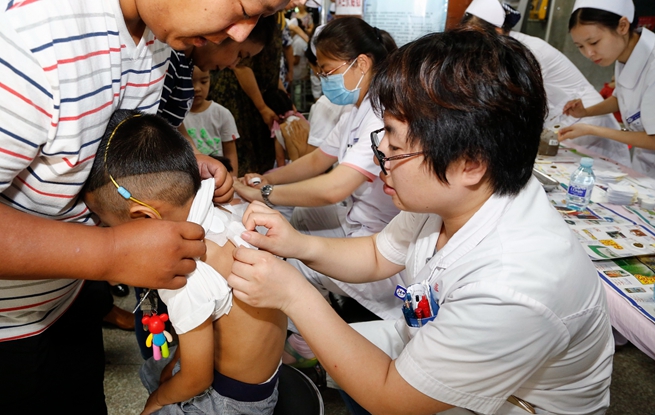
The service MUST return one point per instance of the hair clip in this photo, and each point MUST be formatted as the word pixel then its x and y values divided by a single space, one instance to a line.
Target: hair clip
pixel 121 190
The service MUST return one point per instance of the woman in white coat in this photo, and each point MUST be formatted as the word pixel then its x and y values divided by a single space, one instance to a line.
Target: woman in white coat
pixel 349 52
pixel 563 81
pixel 499 337
pixel 604 31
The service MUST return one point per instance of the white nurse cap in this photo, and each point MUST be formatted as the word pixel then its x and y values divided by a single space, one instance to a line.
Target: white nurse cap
pixel 488 10
pixel 621 7
pixel 312 43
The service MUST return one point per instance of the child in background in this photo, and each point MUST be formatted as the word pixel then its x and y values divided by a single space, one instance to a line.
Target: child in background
pixel 210 125
pixel 226 348
pixel 292 130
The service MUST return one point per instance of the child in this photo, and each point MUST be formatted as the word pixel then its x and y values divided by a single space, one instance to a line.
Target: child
pixel 291 132
pixel 210 125
pixel 225 346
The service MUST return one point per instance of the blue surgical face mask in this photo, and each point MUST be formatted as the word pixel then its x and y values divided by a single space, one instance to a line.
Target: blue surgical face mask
pixel 335 89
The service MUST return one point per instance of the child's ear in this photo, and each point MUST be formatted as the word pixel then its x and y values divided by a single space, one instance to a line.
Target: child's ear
pixel 142 212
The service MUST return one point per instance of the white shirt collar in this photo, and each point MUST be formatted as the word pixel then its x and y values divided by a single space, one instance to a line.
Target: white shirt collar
pixel 628 74
pixel 481 224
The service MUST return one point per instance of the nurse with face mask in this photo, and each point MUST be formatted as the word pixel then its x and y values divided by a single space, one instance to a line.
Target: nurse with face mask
pixel 604 31
pixel 349 52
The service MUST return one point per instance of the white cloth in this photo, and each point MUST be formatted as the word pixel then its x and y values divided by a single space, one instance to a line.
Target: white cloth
pixel 287 123
pixel 300 70
pixel 621 7
pixel 350 142
pixel 210 128
pixel 206 292
pixel 635 91
pixel 317 89
pixel 522 310
pixel 323 117
pixel 488 10
pixel 563 82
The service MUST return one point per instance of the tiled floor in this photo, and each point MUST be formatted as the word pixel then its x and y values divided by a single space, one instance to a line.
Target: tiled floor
pixel 632 390
pixel 123 390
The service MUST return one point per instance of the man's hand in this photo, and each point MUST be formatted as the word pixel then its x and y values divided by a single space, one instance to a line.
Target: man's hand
pixel 210 167
pixel 153 253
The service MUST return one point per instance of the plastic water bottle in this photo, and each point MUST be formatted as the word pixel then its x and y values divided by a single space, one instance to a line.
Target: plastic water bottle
pixel 581 185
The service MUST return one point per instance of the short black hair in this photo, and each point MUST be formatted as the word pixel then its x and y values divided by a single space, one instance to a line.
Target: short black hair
pixel 262 33
pixel 467 94
pixel 278 100
pixel 348 37
pixel 588 16
pixel 148 157
pixel 473 21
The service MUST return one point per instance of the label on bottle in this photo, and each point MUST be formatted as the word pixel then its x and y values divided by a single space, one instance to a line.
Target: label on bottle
pixel 579 191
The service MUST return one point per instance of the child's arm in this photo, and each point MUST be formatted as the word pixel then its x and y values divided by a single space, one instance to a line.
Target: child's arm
pixel 230 151
pixel 279 154
pixel 196 369
pixel 167 372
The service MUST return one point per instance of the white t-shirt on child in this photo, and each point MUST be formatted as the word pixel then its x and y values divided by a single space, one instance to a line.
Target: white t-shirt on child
pixel 210 128
pixel 206 292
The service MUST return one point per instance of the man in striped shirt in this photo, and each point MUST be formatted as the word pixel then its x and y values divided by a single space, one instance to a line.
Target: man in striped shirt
pixel 65 67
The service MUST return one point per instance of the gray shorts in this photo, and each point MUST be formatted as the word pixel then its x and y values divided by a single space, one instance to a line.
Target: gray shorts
pixel 208 402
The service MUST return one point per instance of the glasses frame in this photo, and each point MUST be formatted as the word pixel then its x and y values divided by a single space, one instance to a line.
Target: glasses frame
pixel 382 159
pixel 325 75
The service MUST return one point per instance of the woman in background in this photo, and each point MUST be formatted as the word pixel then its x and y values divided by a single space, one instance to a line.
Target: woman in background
pixel 563 81
pixel 605 32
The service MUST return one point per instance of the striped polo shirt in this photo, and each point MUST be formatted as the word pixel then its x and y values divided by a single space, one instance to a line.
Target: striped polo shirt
pixel 177 95
pixel 65 67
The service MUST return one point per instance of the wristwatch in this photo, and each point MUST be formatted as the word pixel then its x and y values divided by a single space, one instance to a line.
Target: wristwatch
pixel 266 192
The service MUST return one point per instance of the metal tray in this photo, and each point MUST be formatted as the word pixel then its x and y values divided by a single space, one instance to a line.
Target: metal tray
pixel 546 181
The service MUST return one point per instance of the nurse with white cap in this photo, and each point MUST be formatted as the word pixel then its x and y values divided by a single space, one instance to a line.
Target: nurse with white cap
pixel 563 81
pixel 604 31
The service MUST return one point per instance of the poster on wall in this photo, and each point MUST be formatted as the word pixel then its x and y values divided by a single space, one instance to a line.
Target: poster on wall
pixel 348 7
pixel 406 20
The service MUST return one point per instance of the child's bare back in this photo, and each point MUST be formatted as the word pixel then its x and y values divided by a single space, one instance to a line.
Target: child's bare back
pixel 248 341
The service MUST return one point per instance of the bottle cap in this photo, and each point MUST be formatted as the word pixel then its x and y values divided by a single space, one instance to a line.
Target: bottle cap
pixel 647 203
pixel 587 162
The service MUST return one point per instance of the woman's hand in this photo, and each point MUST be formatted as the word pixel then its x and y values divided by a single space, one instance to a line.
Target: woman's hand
pixel 281 239
pixel 264 281
pixel 268 115
pixel 574 131
pixel 575 108
pixel 246 192
pixel 210 167
pixel 248 180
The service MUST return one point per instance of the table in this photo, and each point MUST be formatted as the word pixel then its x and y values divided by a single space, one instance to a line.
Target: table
pixel 624 316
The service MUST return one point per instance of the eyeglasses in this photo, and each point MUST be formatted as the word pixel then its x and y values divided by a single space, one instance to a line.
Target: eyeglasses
pixel 382 159
pixel 325 75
